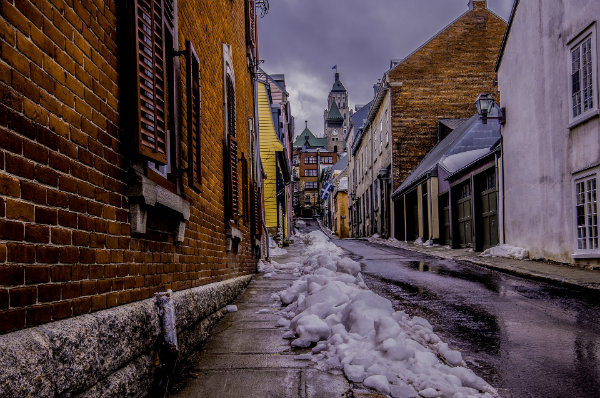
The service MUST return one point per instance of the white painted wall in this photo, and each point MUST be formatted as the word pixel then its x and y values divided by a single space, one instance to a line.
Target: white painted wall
pixel 541 152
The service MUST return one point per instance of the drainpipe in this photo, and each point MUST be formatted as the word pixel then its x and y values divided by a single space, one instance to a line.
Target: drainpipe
pixel 168 350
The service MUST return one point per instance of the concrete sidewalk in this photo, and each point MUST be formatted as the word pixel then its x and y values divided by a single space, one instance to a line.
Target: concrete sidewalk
pixel 246 355
pixel 561 274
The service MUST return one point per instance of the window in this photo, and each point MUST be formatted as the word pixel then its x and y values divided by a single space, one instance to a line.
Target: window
pixel 310 172
pixel 380 135
pixel 387 127
pixel 586 208
pixel 583 76
pixel 310 160
pixel 310 185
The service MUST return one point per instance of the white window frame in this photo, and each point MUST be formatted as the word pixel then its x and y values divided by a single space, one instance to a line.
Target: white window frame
pixel 577 42
pixel 587 252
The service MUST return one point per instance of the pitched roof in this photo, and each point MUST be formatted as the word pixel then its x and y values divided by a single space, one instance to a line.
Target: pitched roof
pixel 334 114
pixel 506 33
pixel 337 85
pixel 463 146
pixel 359 121
pixel 453 123
pixel 312 140
pixel 395 62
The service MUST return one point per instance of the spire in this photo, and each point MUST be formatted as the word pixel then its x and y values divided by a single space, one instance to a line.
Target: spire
pixel 334 114
pixel 337 84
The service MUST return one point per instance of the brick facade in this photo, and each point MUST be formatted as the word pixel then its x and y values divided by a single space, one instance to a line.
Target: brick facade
pixel 314 165
pixel 441 79
pixel 67 151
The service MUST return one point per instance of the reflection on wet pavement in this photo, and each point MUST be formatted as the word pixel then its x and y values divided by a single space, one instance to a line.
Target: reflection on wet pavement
pixel 527 338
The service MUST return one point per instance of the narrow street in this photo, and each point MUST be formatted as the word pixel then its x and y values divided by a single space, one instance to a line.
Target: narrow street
pixel 526 338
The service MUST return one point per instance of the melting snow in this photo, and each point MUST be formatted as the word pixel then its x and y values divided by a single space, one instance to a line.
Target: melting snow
pixel 507 251
pixel 355 330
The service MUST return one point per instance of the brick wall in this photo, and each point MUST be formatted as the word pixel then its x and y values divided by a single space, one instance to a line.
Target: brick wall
pixel 66 246
pixel 442 80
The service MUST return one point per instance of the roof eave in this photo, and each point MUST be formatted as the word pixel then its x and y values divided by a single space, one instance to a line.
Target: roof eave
pixel 506 33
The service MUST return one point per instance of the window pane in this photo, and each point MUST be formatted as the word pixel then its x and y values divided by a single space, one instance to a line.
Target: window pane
pixel 592 214
pixel 576 81
pixel 588 101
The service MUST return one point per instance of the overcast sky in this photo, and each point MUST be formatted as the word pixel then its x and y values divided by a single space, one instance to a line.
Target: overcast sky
pixel 303 39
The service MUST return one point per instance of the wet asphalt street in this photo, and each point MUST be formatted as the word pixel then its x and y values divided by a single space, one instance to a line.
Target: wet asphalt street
pixel 526 338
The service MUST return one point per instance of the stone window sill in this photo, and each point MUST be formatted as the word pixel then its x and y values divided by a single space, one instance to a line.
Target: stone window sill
pixel 584 118
pixel 585 255
pixel 144 194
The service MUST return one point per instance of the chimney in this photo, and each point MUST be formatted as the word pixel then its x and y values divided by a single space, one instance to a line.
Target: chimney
pixel 306 121
pixel 375 87
pixel 477 4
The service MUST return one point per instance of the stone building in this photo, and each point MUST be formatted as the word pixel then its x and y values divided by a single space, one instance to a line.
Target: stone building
pixel 439 80
pixel 356 185
pixel 336 120
pixel 128 166
pixel 549 200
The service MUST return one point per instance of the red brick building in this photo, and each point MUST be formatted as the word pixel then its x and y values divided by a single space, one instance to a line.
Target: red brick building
pixel 311 161
pixel 127 152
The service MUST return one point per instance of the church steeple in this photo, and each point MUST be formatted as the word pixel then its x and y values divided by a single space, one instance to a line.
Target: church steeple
pixel 335 117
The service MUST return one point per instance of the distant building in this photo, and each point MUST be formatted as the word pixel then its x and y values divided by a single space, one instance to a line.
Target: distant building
pixel 305 198
pixel 340 209
pixel 548 80
pixel 330 179
pixel 336 117
pixel 359 172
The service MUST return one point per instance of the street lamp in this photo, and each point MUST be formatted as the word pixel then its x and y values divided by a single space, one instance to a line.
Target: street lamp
pixel 484 104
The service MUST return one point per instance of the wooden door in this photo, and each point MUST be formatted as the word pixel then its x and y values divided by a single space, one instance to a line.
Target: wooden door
pixel 487 209
pixel 464 214
pixel 444 205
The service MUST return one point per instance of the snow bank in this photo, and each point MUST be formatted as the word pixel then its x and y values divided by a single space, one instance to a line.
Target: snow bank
pixel 507 251
pixel 274 249
pixel 355 330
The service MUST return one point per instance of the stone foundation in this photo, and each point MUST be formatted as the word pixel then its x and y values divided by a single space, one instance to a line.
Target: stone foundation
pixel 108 353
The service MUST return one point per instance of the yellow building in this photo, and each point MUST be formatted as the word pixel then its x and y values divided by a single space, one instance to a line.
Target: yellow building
pixel 276 168
pixel 340 214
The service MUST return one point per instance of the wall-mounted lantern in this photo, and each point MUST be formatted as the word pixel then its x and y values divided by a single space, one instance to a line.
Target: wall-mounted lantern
pixel 485 104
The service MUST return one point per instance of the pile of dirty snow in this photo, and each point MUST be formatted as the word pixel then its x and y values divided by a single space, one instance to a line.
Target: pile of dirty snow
pixel 354 330
pixel 507 251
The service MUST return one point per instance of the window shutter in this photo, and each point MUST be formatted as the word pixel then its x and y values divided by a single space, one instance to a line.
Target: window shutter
pixel 258 210
pixel 149 16
pixel 232 150
pixel 193 117
pixel 245 191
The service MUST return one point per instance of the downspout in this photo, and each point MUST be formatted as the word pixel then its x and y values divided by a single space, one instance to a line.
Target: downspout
pixel 168 350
